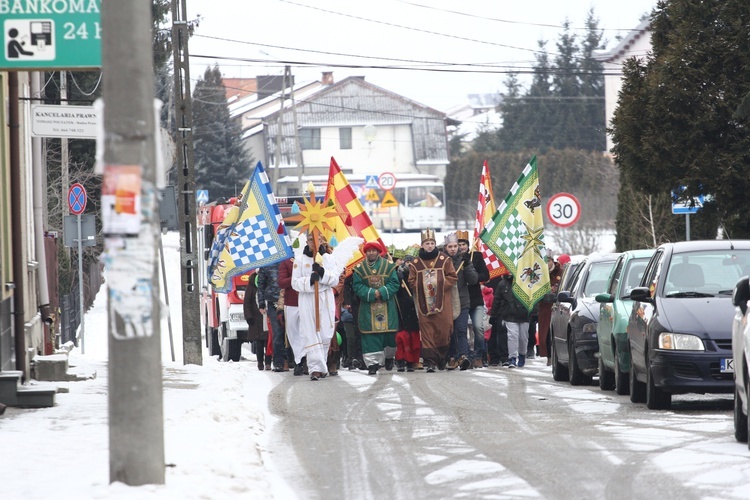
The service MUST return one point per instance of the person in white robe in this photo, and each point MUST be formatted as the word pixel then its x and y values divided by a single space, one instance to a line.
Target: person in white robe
pixel 322 266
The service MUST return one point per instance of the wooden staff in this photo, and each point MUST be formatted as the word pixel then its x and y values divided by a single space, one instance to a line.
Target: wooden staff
pixel 317 298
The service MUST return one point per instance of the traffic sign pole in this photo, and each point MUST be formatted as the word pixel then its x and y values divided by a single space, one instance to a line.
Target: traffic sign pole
pixel 77 204
pixel 80 281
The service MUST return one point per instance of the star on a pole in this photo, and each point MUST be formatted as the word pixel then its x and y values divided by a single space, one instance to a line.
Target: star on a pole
pixel 315 217
pixel 533 240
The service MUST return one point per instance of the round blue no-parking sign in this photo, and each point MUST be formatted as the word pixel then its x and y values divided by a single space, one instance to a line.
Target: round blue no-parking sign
pixel 77 199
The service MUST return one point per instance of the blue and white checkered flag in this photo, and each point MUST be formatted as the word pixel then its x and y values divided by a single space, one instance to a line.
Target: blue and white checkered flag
pixel 257 239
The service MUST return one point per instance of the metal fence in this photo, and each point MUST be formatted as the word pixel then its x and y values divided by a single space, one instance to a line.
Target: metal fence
pixel 70 308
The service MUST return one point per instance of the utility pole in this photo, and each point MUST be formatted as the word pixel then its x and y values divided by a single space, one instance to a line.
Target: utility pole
pixel 136 411
pixel 187 217
pixel 297 150
pixel 279 135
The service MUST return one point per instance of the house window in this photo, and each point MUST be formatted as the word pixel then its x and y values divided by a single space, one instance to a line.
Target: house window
pixel 345 138
pixel 309 138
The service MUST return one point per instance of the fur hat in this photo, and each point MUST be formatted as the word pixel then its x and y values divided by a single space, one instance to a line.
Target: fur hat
pixel 428 234
pixel 451 238
pixel 563 259
pixel 462 236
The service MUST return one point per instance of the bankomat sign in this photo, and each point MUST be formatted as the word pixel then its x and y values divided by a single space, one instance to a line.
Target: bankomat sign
pixel 51 34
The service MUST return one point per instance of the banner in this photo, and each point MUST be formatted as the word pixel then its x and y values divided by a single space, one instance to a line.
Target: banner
pixel 256 238
pixel 516 235
pixel 342 195
pixel 485 210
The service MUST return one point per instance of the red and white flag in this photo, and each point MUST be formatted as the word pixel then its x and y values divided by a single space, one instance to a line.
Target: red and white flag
pixel 485 211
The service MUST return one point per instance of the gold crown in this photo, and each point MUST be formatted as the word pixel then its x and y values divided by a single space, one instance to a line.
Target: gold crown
pixel 428 234
pixel 462 235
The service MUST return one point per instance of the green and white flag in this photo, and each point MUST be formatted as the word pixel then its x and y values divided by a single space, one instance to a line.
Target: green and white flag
pixel 516 235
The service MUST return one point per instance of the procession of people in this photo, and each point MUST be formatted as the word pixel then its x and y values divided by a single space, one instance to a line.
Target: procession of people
pixel 432 311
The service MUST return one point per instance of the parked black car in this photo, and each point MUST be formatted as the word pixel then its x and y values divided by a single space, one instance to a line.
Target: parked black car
pixel 574 318
pixel 680 328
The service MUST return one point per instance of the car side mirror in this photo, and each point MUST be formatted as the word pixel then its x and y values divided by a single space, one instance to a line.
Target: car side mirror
pixel 641 294
pixel 604 298
pixel 565 296
pixel 741 294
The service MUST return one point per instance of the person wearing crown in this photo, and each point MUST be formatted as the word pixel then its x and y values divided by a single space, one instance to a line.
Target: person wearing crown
pixel 376 283
pixel 430 278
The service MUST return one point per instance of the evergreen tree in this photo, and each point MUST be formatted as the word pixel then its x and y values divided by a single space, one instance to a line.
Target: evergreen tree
pixel 507 137
pixel 564 106
pixel 593 132
pixel 565 121
pixel 221 164
pixel 539 104
pixel 675 125
pixel 160 10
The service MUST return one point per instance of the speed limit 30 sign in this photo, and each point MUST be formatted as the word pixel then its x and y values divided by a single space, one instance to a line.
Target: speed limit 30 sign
pixel 563 209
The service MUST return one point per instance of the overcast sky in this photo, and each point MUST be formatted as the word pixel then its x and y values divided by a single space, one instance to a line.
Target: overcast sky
pixel 437 34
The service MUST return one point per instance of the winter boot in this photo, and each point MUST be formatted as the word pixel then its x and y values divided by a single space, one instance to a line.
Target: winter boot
pixel 464 363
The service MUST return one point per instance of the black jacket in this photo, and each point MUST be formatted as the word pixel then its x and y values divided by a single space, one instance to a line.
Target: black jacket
pixel 505 305
pixel 475 291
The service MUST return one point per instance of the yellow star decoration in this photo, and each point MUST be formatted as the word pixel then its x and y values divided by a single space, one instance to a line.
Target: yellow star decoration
pixel 533 240
pixel 314 217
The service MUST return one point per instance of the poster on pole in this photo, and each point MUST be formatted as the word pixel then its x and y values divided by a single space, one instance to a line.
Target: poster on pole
pixel 121 200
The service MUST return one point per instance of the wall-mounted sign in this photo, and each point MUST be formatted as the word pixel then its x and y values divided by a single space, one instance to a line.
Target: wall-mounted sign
pixel 79 122
pixel 44 34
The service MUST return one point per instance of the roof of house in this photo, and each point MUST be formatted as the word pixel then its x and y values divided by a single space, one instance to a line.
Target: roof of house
pixel 624 48
pixel 349 102
pixel 239 88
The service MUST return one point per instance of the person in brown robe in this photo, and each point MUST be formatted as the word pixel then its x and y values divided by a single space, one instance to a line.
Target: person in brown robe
pixel 431 277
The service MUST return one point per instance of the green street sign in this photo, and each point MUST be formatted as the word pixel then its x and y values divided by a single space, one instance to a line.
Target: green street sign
pixel 51 34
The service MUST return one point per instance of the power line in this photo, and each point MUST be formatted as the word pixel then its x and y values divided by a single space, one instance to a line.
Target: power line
pixel 506 21
pixel 408 27
pixel 471 68
pixel 379 58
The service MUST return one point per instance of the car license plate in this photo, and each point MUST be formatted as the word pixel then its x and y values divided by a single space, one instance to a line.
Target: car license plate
pixel 727 365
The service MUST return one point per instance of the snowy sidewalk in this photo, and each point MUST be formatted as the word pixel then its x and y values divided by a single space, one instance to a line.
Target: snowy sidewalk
pixel 214 425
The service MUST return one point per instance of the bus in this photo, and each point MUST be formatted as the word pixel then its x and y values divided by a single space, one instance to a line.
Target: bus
pixel 420 199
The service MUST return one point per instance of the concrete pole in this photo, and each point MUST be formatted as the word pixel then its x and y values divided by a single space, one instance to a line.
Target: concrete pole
pixel 136 412
pixel 192 349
